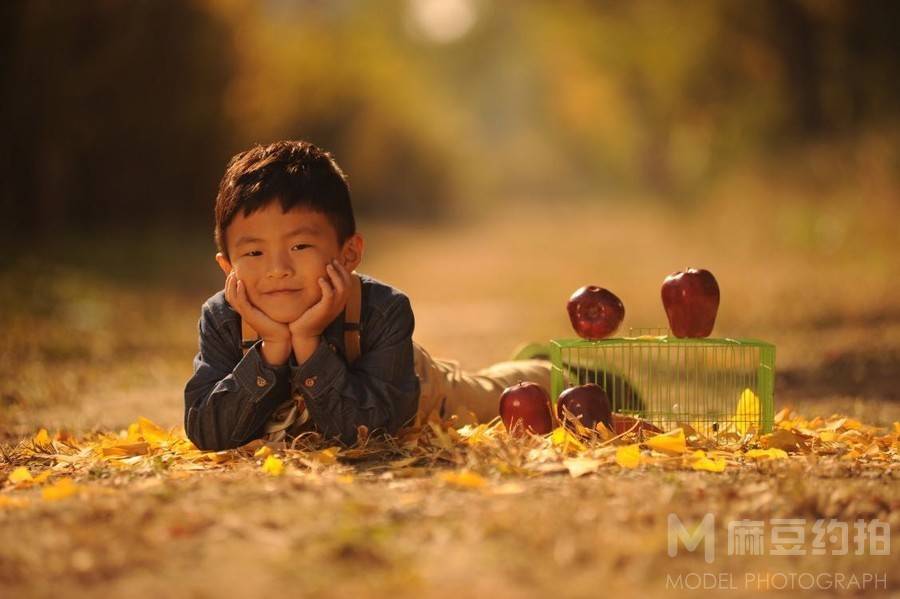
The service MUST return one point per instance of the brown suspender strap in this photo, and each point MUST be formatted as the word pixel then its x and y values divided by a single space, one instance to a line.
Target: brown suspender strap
pixel 351 319
pixel 351 323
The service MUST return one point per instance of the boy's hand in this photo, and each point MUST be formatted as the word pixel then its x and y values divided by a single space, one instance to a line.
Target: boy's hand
pixel 276 336
pixel 334 298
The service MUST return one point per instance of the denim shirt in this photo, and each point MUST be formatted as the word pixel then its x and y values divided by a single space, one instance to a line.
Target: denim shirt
pixel 230 396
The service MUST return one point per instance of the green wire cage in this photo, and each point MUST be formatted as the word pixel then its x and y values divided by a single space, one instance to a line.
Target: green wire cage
pixel 719 387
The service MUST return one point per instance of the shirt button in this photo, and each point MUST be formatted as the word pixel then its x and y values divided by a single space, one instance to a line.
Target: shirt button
pixel 310 381
pixel 261 382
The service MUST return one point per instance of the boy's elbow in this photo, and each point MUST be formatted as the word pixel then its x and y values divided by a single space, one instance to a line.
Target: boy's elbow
pixel 201 432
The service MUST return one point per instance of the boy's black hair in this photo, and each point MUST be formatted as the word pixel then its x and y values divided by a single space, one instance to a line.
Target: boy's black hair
pixel 296 173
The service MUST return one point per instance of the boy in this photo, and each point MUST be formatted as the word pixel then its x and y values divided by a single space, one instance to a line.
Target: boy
pixel 297 341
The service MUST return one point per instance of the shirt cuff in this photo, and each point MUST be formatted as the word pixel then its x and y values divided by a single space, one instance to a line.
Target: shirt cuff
pixel 317 374
pixel 254 374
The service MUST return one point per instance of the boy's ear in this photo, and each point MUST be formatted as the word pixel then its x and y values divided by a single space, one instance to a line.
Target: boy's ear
pixel 351 253
pixel 223 263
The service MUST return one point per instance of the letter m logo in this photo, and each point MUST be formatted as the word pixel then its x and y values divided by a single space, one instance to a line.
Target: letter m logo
pixel 705 532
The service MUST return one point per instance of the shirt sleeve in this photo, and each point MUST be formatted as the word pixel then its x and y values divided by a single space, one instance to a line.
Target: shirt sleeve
pixel 229 397
pixel 379 390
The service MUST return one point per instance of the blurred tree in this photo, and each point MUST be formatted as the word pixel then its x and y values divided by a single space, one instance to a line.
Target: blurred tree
pixel 111 112
pixel 121 113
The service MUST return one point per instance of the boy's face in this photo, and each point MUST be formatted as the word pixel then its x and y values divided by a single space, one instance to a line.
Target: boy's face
pixel 280 257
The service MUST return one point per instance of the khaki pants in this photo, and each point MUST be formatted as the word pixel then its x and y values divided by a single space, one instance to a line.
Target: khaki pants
pixel 474 397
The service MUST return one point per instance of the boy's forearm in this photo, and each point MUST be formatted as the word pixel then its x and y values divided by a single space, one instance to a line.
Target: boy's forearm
pixel 304 347
pixel 276 353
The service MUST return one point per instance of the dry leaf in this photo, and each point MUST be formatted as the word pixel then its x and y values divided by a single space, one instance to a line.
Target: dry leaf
pixel 628 456
pixel 64 487
pixel 42 438
pixel 463 478
pixel 702 462
pixel 747 413
pixel 20 475
pixel 672 442
pixel 273 466
pixel 581 466
pixel 773 453
pixel 564 439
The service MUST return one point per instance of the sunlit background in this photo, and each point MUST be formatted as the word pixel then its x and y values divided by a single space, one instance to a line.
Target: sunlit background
pixel 500 155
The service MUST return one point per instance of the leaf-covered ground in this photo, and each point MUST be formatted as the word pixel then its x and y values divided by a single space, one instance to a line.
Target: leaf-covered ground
pixel 437 510
pixel 104 501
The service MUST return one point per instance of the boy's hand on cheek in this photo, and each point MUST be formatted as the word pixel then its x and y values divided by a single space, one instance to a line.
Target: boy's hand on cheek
pixel 306 329
pixel 276 336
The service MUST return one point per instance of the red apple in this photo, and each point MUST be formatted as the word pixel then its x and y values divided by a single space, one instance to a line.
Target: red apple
pixel 691 300
pixel 623 424
pixel 588 403
pixel 595 312
pixel 529 404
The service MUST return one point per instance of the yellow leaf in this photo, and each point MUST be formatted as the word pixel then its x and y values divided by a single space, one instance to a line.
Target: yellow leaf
pixel 151 432
pixel 61 489
pixel 20 475
pixel 628 456
pixel 773 453
pixel 42 477
pixel 327 455
pixel 263 452
pixel 218 456
pixel 897 428
pixel 747 413
pixel 564 439
pixel 827 436
pixel 42 438
pixel 670 442
pixel 782 439
pixel 463 478
pixel 126 449
pixel 702 462
pixel 273 466
pixel 134 432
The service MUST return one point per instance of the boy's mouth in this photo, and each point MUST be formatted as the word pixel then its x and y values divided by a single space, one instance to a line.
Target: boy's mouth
pixel 281 292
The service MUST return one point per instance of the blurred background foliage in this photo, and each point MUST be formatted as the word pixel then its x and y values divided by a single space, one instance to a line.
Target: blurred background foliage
pixel 120 115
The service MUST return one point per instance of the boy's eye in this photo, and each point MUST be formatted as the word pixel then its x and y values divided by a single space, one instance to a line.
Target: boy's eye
pixel 301 246
pixel 253 253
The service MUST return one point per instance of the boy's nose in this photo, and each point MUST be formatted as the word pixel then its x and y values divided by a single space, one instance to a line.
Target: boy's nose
pixel 280 268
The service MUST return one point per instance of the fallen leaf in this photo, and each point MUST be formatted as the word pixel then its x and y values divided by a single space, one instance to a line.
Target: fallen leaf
pixel 563 438
pixel 42 438
pixel 747 413
pixel 273 466
pixel 64 487
pixel 628 456
pixel 151 432
pixel 580 466
pixel 773 453
pixel 463 478
pixel 126 449
pixel 672 442
pixel 20 475
pixel 702 462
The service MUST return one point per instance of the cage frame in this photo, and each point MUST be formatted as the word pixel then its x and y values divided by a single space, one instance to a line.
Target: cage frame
pixel 765 369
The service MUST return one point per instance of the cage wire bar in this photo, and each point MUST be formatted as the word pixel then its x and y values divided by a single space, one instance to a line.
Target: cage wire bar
pixel 720 387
